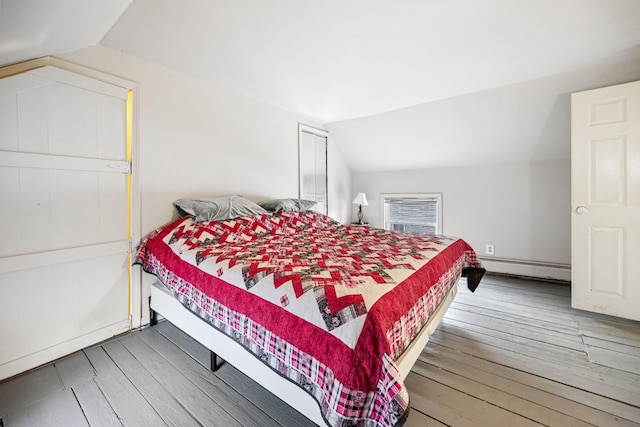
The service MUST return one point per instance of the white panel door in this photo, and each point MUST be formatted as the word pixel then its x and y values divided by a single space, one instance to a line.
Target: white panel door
pixel 605 161
pixel 64 216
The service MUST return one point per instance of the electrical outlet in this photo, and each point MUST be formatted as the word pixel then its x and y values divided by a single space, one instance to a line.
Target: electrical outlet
pixel 488 249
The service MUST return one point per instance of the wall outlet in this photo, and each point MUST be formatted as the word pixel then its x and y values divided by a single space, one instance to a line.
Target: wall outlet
pixel 488 249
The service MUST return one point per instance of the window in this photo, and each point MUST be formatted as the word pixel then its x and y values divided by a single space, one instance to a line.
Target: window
pixel 412 213
pixel 312 154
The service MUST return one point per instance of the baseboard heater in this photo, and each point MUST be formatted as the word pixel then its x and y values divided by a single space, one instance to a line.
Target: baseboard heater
pixel 535 269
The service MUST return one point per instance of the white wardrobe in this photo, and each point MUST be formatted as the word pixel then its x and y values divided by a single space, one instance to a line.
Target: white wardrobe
pixel 65 215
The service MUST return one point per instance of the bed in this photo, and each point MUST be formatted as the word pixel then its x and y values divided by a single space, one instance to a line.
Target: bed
pixel 328 317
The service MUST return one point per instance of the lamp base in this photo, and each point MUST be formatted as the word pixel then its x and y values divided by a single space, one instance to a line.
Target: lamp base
pixel 360 216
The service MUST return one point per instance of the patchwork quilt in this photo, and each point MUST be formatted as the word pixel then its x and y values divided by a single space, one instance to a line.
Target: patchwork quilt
pixel 327 306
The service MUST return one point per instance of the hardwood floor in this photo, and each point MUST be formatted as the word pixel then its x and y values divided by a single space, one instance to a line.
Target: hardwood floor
pixel 512 354
pixel 516 353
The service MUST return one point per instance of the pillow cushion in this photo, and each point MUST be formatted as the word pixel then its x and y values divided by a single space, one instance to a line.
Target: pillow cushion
pixel 218 208
pixel 287 205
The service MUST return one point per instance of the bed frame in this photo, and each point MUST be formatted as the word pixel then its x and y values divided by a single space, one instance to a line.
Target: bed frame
pixel 220 345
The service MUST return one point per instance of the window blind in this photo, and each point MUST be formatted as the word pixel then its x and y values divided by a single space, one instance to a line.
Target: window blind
pixel 411 215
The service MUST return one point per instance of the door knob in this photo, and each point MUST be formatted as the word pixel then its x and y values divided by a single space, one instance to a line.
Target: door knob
pixel 581 210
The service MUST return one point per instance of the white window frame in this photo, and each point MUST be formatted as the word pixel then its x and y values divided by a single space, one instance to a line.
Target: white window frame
pixel 437 197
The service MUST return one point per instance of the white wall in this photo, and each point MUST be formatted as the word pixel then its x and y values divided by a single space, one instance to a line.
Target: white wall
pixel 203 141
pixel 516 123
pixel 521 208
pixel 500 157
pixel 339 183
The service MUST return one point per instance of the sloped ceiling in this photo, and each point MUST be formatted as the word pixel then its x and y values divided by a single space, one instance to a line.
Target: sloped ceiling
pixel 518 123
pixel 34 28
pixel 340 59
pixel 344 62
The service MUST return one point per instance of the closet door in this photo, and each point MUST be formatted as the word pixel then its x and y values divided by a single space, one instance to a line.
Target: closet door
pixel 64 216
pixel 605 161
pixel 312 157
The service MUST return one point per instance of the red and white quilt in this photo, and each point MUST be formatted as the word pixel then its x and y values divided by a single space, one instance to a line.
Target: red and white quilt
pixel 330 307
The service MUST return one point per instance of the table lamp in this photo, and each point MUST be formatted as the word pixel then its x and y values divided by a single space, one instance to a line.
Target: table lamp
pixel 361 199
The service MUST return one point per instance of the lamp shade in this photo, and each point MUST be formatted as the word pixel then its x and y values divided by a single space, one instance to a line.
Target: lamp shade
pixel 361 199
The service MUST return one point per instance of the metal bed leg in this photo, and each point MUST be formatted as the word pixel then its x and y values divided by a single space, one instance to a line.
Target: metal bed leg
pixel 153 316
pixel 214 361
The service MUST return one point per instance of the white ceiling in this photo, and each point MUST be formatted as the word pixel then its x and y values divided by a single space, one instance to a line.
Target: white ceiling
pixel 335 59
pixel 34 28
pixel 339 59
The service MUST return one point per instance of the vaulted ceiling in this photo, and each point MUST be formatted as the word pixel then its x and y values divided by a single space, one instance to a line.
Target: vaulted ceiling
pixel 425 77
pixel 34 28
pixel 334 60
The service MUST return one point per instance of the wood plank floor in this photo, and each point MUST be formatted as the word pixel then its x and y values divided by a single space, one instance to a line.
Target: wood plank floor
pixel 512 354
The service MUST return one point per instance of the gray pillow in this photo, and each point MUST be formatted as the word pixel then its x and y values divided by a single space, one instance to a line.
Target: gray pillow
pixel 218 208
pixel 288 205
